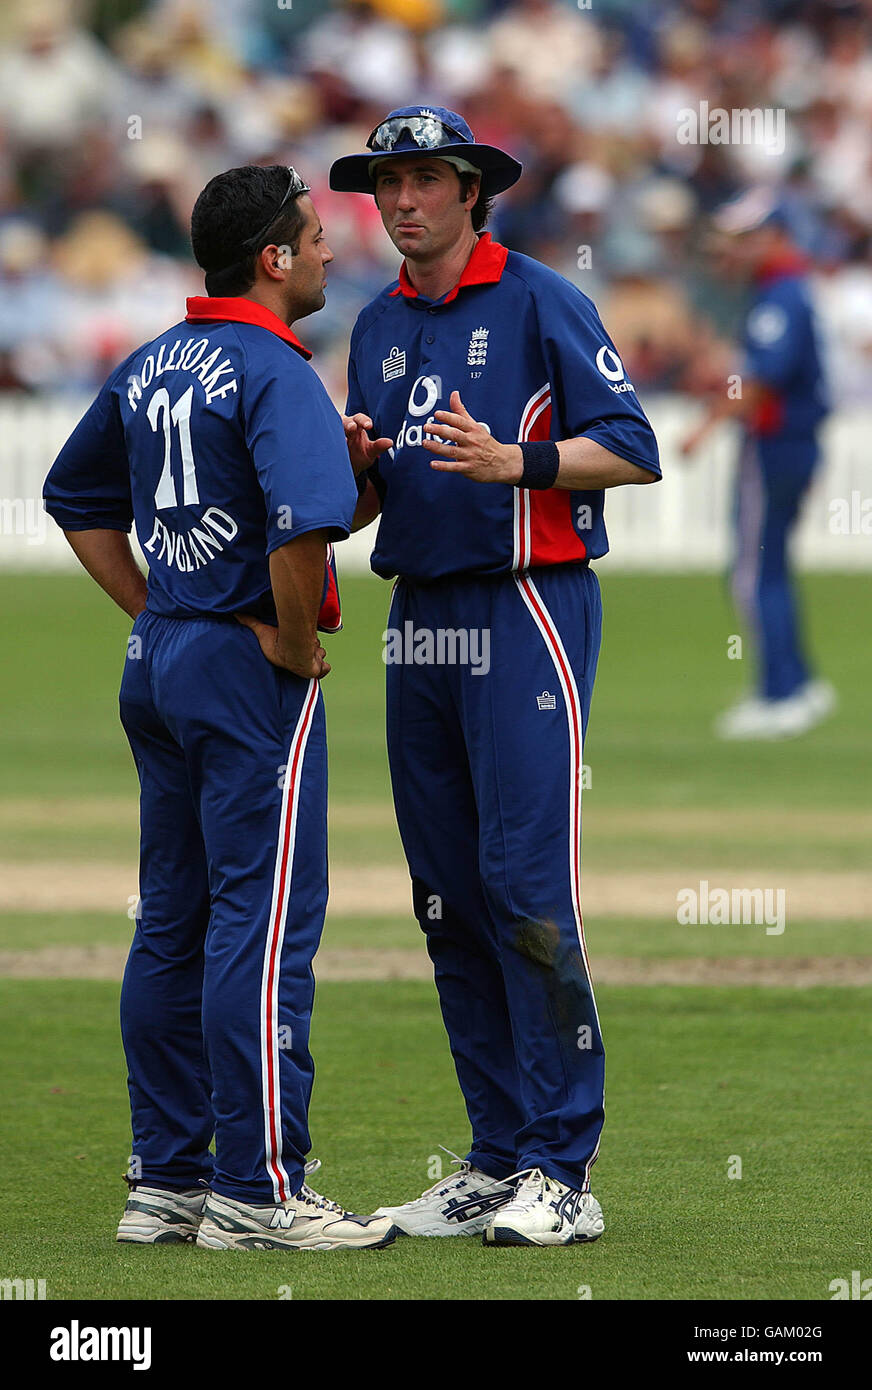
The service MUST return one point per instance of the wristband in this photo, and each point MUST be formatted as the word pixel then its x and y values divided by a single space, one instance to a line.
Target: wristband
pixel 361 480
pixel 541 463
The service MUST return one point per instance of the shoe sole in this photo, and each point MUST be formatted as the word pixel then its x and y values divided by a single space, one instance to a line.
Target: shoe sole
pixel 503 1237
pixel 160 1235
pixel 431 1231
pixel 213 1239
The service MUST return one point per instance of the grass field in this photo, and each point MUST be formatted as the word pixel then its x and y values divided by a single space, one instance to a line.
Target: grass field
pixel 755 1046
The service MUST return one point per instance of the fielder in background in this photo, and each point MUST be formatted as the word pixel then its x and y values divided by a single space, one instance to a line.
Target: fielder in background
pixel 487 411
pixel 221 443
pixel 782 403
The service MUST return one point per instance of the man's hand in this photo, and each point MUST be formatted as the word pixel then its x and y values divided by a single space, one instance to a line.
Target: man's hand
pixel 361 449
pixel 309 665
pixel 470 449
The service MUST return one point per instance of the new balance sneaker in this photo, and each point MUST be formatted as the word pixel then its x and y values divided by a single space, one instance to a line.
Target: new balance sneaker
pixel 155 1216
pixel 544 1211
pixel 307 1221
pixel 461 1204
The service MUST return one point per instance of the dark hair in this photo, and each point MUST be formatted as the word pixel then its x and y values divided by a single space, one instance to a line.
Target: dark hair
pixel 229 211
pixel 482 207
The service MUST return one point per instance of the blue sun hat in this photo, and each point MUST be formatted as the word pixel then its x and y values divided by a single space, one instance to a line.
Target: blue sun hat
pixel 425 130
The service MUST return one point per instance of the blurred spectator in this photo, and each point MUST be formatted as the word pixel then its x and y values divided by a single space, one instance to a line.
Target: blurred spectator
pixel 110 138
pixel 56 82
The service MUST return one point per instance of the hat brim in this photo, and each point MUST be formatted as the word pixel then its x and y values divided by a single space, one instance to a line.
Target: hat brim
pixel 499 170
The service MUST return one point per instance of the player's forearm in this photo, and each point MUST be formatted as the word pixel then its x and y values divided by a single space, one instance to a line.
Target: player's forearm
pixel 586 466
pixel 108 558
pixel 297 578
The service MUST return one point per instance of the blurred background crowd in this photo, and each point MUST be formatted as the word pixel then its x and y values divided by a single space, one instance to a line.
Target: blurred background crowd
pixel 115 113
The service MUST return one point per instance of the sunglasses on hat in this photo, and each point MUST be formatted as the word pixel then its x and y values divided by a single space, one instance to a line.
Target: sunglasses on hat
pixel 428 133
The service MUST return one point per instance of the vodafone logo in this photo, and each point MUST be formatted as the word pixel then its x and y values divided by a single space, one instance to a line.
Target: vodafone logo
pixel 611 367
pixel 609 364
pixel 432 388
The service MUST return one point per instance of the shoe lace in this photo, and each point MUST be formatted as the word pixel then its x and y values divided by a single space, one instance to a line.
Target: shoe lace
pixel 443 1184
pixel 533 1186
pixel 315 1199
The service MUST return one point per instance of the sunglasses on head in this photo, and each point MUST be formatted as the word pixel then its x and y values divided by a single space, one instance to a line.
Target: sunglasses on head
pixel 296 186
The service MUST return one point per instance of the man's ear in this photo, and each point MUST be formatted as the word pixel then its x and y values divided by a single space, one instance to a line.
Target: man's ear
pixel 473 191
pixel 273 261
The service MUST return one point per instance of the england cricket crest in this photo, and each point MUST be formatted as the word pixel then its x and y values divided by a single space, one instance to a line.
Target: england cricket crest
pixel 476 353
pixel 394 364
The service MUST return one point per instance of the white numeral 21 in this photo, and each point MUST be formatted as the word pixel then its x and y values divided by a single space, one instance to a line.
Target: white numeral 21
pixel 179 414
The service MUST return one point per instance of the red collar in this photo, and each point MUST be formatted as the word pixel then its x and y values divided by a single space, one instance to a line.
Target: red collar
pixel 790 262
pixel 238 309
pixel 484 267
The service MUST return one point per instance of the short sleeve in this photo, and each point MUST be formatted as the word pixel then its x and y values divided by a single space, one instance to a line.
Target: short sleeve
pixel 88 486
pixel 297 443
pixel 592 393
pixel 774 337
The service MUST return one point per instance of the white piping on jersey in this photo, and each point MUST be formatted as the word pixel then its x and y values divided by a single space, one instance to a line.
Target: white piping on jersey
pixel 538 402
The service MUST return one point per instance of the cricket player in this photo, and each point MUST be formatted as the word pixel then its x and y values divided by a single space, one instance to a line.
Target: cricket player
pixel 782 402
pixel 221 443
pixel 487 412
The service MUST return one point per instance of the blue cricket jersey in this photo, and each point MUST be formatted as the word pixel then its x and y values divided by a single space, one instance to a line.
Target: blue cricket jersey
pixel 221 443
pixel 531 359
pixel 781 353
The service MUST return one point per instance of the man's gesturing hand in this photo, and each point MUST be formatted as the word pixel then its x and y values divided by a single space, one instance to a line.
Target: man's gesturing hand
pixel 307 664
pixel 467 447
pixel 361 449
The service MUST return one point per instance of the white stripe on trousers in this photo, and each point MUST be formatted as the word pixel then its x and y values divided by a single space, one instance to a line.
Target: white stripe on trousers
pixel 269 1037
pixel 548 628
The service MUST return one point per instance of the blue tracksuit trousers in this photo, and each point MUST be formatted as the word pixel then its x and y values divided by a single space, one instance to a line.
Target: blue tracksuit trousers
pixel 772 480
pixel 218 990
pixel 486 764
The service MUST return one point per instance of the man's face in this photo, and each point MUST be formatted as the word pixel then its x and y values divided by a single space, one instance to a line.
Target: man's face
pixel 308 268
pixel 419 201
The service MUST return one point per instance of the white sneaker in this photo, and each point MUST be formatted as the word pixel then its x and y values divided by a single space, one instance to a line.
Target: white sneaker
pixel 154 1216
pixel 461 1204
pixel 304 1222
pixel 776 719
pixel 546 1212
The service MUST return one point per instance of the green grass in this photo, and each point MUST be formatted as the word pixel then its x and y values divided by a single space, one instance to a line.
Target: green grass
pixel 695 1077
pixel 695 1074
pixel 605 936
pixel 663 675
